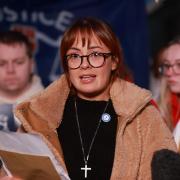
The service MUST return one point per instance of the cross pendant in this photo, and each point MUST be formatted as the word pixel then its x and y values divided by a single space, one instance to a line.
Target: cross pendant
pixel 85 169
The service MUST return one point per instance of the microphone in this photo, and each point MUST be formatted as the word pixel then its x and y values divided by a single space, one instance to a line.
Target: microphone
pixel 165 165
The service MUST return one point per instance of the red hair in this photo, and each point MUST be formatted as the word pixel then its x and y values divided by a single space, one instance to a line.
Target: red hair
pixel 87 27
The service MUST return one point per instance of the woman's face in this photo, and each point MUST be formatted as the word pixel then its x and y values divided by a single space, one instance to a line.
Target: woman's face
pixel 91 83
pixel 171 58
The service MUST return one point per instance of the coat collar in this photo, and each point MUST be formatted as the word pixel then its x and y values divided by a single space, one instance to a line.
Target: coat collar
pixel 50 103
pixel 127 98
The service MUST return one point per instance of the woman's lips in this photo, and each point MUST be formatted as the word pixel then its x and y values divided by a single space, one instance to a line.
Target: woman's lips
pixel 172 82
pixel 87 78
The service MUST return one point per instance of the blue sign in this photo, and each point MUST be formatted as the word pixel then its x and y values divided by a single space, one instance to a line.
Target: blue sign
pixel 45 21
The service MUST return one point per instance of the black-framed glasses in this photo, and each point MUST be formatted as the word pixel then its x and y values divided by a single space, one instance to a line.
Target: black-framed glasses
pixel 95 59
pixel 165 67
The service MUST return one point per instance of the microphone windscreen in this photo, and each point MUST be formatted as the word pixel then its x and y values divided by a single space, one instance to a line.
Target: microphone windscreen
pixel 165 165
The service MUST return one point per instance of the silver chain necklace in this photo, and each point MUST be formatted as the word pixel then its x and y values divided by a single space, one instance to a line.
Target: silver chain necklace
pixel 86 158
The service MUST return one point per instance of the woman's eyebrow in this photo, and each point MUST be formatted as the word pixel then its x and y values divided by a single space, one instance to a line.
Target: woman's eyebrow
pixel 94 47
pixel 74 48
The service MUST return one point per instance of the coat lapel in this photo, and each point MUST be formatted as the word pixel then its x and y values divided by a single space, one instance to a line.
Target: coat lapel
pixel 128 100
pixel 51 102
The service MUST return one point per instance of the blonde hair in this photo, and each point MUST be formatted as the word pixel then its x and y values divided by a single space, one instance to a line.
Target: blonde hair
pixel 164 103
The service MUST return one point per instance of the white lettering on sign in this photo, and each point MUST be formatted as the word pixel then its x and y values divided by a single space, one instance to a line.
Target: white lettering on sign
pixel 60 22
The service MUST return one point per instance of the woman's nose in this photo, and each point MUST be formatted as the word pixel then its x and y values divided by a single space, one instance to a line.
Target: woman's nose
pixel 85 64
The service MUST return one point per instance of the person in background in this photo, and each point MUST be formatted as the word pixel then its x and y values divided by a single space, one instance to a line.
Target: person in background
pixel 97 125
pixel 168 71
pixel 17 81
pixel 155 75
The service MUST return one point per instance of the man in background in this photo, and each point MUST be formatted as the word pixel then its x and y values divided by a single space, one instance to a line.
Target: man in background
pixel 17 81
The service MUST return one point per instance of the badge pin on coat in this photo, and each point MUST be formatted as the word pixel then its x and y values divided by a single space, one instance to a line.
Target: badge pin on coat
pixel 106 117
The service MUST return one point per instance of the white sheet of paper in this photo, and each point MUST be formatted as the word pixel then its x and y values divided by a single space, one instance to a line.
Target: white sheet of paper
pixel 29 144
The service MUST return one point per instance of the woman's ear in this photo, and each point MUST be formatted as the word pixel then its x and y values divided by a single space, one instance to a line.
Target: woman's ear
pixel 114 63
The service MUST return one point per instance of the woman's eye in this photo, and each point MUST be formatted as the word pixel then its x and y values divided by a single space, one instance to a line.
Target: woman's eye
pixel 96 54
pixel 73 56
pixel 167 65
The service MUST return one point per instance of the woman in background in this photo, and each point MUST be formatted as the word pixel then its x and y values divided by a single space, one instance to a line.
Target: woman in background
pixel 169 100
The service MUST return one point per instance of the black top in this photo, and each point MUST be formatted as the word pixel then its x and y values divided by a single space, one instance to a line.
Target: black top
pixel 102 153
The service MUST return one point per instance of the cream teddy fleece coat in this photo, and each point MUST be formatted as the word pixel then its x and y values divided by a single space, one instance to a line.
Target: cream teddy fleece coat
pixel 140 131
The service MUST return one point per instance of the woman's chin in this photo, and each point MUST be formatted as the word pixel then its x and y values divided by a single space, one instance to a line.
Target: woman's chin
pixel 92 95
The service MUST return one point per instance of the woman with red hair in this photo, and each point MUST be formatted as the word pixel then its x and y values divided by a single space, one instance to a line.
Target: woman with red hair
pixel 98 125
